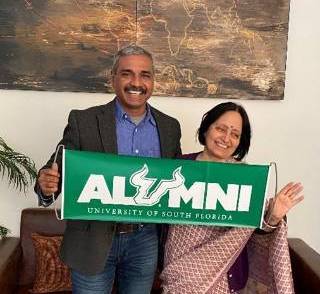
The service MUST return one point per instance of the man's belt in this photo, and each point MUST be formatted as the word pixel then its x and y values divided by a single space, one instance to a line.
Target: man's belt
pixel 123 228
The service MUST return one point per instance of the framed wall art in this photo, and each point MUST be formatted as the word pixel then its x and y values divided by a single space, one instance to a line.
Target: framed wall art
pixel 202 48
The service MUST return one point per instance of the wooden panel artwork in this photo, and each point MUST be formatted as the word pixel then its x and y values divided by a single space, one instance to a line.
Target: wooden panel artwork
pixel 202 48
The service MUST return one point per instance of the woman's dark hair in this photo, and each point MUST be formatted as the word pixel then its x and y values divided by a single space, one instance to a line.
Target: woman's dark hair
pixel 212 115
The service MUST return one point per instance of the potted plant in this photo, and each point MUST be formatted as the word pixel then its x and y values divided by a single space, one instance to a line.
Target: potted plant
pixel 18 168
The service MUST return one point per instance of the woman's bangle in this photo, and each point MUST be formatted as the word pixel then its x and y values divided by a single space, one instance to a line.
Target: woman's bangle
pixel 269 226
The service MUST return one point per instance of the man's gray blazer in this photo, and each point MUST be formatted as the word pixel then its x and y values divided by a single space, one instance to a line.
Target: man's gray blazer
pixel 86 244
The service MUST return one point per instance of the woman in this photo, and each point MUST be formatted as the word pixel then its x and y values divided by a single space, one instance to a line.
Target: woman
pixel 201 259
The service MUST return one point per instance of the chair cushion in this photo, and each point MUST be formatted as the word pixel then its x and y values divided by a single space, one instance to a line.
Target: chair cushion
pixel 35 220
pixel 52 274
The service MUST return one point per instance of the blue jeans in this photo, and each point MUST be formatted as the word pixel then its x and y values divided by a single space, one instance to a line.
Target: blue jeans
pixel 132 261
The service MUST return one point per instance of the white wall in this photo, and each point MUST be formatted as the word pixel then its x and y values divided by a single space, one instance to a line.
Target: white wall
pixel 287 131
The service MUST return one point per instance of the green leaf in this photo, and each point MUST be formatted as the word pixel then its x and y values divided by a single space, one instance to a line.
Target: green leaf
pixel 4 231
pixel 19 168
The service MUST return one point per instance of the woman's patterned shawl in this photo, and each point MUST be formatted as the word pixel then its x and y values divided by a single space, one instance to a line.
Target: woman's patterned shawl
pixel 198 257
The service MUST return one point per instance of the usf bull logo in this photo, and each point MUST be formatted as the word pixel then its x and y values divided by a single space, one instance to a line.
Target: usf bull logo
pixel 201 195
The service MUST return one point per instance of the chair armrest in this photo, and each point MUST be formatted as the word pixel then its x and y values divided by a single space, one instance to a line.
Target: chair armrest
pixel 10 253
pixel 305 267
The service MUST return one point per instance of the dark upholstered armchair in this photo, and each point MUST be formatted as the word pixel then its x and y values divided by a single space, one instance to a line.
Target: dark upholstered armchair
pixel 17 255
pixel 305 267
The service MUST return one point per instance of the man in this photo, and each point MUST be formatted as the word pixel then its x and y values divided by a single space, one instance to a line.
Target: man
pixel 98 252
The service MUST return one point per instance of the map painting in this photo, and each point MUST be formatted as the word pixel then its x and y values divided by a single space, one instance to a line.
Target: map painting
pixel 201 48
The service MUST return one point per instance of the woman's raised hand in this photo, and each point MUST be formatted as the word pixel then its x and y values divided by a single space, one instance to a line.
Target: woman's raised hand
pixel 289 196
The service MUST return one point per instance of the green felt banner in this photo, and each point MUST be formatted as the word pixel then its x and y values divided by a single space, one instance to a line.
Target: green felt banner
pixel 106 187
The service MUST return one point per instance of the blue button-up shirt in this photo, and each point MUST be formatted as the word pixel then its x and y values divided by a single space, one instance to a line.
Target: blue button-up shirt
pixel 137 140
pixel 132 139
